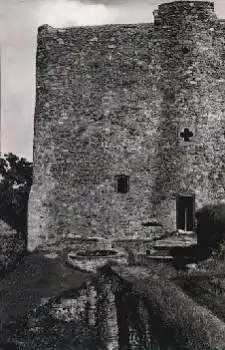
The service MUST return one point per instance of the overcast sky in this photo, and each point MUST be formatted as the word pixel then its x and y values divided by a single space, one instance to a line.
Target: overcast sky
pixel 19 20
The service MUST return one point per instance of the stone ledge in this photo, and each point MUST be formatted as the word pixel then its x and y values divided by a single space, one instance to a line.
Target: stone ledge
pixel 175 241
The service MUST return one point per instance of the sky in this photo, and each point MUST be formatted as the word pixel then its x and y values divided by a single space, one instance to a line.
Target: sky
pixel 19 20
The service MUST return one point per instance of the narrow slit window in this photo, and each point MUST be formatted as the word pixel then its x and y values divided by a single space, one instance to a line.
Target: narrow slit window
pixel 122 183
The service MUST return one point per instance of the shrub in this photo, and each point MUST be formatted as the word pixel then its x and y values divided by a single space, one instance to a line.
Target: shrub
pixel 15 183
pixel 211 227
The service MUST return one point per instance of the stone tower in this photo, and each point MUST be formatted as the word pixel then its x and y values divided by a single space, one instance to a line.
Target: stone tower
pixel 191 132
pixel 129 126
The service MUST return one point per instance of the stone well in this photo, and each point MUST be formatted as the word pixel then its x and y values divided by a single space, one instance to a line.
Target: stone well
pixel 92 260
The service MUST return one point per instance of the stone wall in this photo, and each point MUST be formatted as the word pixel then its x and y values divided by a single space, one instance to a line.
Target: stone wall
pixel 12 246
pixel 96 87
pixel 114 100
pixel 124 308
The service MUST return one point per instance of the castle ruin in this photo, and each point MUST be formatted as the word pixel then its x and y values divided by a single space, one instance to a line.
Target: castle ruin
pixel 129 130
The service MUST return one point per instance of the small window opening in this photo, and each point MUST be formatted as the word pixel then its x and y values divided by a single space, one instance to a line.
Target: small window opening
pixel 122 183
pixel 185 50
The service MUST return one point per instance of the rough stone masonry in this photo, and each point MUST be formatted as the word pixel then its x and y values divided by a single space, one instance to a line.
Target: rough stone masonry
pixel 129 126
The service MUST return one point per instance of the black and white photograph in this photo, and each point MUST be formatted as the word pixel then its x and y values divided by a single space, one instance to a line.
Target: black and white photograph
pixel 112 175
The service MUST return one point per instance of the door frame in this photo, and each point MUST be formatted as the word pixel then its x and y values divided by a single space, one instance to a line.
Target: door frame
pixel 186 195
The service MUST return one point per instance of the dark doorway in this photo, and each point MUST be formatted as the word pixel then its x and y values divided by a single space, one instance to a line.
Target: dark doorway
pixel 185 213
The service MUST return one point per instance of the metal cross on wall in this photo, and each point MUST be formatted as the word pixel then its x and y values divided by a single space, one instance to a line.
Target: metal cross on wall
pixel 186 134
